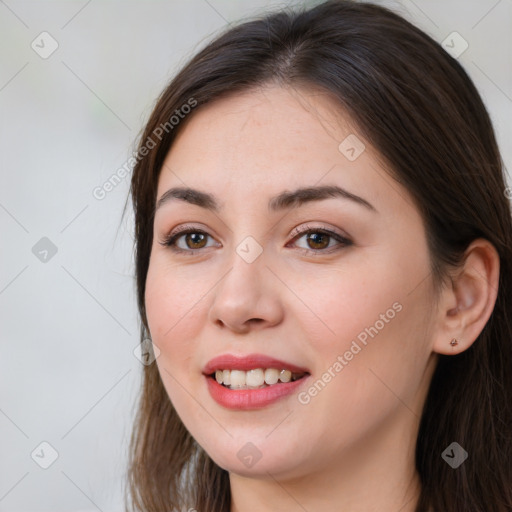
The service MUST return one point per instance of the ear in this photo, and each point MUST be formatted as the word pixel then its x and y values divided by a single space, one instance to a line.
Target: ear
pixel 467 303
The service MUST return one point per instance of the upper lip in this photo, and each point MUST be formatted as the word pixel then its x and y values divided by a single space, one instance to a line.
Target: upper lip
pixel 249 362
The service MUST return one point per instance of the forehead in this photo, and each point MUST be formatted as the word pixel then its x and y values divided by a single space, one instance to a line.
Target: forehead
pixel 262 142
pixel 265 122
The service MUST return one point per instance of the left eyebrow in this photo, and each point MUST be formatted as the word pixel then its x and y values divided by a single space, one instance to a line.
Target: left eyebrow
pixel 283 201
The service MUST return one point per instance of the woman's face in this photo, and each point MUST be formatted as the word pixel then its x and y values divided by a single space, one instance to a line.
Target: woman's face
pixel 347 304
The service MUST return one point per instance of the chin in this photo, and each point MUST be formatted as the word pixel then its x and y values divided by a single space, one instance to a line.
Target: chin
pixel 258 461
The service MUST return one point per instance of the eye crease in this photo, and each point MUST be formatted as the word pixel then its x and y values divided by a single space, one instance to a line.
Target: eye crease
pixel 314 235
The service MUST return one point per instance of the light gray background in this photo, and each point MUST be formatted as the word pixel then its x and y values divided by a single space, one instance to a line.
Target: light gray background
pixel 68 326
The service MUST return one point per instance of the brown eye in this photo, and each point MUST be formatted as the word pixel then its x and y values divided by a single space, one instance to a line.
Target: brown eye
pixel 193 239
pixel 318 240
pixel 196 240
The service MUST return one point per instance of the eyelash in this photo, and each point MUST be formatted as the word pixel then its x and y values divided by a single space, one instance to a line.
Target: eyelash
pixel 170 240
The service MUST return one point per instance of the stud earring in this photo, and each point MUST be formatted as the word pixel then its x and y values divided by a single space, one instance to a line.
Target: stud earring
pixel 454 342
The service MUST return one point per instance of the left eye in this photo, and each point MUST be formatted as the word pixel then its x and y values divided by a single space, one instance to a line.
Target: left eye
pixel 317 239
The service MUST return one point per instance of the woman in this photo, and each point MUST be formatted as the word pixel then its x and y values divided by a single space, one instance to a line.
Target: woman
pixel 323 259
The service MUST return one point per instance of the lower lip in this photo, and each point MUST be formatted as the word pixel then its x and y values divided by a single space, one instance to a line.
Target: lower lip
pixel 244 399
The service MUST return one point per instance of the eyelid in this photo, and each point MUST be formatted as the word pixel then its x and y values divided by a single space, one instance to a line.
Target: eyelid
pixel 302 230
pixel 297 233
pixel 343 240
pixel 170 239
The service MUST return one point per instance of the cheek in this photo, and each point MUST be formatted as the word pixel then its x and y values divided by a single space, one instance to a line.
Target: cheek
pixel 370 329
pixel 173 308
pixel 354 302
pixel 370 373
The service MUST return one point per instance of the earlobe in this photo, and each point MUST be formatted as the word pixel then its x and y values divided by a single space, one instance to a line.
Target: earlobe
pixel 466 306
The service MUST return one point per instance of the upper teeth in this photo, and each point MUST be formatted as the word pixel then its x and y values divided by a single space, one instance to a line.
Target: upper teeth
pixel 256 378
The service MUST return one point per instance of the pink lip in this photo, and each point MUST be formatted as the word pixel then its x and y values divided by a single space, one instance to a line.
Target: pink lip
pixel 245 399
pixel 249 362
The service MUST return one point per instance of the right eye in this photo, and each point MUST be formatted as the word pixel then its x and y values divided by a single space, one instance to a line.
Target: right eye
pixel 193 238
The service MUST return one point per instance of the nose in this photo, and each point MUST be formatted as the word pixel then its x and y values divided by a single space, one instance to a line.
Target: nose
pixel 247 297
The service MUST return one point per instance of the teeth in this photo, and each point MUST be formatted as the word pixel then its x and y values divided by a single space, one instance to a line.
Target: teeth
pixel 238 378
pixel 285 376
pixel 271 376
pixel 254 379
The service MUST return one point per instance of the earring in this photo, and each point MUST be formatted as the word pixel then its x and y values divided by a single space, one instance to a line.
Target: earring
pixel 454 342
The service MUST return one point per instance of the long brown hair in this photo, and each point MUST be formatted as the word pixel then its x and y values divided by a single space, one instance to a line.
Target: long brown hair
pixel 417 106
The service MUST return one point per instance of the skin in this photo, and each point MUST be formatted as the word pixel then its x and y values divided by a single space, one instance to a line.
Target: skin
pixel 351 447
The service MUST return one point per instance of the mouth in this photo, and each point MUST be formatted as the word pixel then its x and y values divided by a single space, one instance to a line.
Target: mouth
pixel 256 378
pixel 252 382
